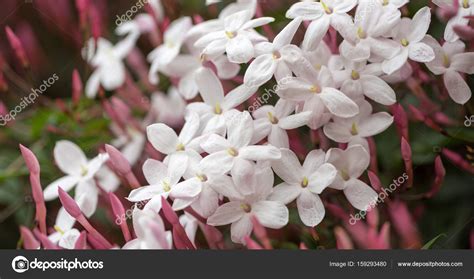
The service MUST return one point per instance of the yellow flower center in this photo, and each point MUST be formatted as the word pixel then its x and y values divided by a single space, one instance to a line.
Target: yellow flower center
pixel 276 55
pixel 272 118
pixel 166 186
pixel 202 177
pixel 354 130
pixel 305 182
pixel 84 170
pixel 344 175
pixel 385 2
pixel 327 9
pixel 315 89
pixel 405 42
pixel 446 61
pixel 217 109
pixel 361 33
pixel 465 4
pixel 355 75
pixel 230 35
pixel 58 229
pixel 233 152
pixel 246 207
pixel 180 147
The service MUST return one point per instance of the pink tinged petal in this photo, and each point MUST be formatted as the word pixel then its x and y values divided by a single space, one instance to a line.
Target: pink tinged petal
pixel 68 240
pixel 421 52
pixel 224 185
pixel 310 208
pixel 295 121
pixel 215 48
pixel 357 159
pixel 263 128
pixel 260 70
pixel 227 213
pixel 154 171
pixel 243 175
pixel 378 90
pixel 237 96
pixel 286 35
pixel 396 63
pixel 180 204
pixel 457 87
pixel 278 137
pixel 156 203
pixel 285 192
pixel 271 214
pixel 240 129
pixel 187 189
pixel 375 124
pixel 356 53
pixel 338 103
pixel 334 131
pixel 260 153
pixel 207 203
pixel 288 167
pixel 66 183
pixel 241 229
pixel 384 48
pixel 449 34
pixel 419 25
pixel 463 62
pixel 177 165
pixel 225 69
pixel 69 157
pixel 209 86
pixel 144 193
pixel 235 21
pixel 322 178
pixel 359 194
pixel 254 23
pixel 295 89
pixel 163 138
pixel 215 143
pixel 190 128
pixel 315 33
pixel 306 10
pixel 313 161
pixel 240 50
pixel 87 197
pixel 344 6
pixel 221 162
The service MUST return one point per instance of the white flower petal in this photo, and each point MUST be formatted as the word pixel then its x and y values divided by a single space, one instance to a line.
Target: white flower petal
pixel 271 214
pixel 359 194
pixel 310 208
pixel 225 214
pixel 163 138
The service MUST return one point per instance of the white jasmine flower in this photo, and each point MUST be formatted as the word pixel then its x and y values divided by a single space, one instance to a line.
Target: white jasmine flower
pixel 354 130
pixel 303 183
pixel 79 172
pixel 274 58
pixel 236 38
pixel 150 232
pixel 466 8
pixel 274 121
pixel 65 236
pixel 409 34
pixel 240 209
pixel 351 164
pixel 322 15
pixel 451 60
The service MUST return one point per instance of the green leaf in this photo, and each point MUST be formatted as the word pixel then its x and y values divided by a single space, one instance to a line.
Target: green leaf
pixel 432 242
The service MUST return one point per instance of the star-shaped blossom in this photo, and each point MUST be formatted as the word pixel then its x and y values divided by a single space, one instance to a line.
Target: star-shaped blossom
pixel 451 60
pixel 236 38
pixel 354 130
pixel 274 58
pixel 234 154
pixel 164 182
pixel 322 14
pixel 80 174
pixel 316 89
pixel 217 108
pixel 240 209
pixel 65 236
pixel 303 183
pixel 272 122
pixel 174 38
pixel 351 164
pixel 409 34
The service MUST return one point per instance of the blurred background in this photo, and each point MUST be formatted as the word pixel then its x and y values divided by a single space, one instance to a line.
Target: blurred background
pixel 52 36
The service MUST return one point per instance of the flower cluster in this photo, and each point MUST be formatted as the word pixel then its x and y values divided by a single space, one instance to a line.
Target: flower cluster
pixel 226 164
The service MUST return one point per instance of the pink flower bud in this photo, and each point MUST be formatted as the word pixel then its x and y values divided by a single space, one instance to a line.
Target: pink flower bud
pixel 261 233
pixel 464 32
pixel 457 160
pixel 69 204
pixel 251 244
pixel 29 240
pixel 17 47
pixel 76 86
pixel 375 181
pixel 81 242
pixel 119 211
pixel 401 120
pixel 118 161
pixel 343 241
pixel 440 173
